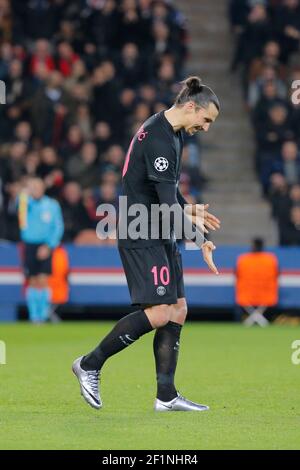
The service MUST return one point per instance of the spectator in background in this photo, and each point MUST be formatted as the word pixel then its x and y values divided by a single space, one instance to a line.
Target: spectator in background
pixel 294 195
pixel 145 10
pixel 40 18
pixel 107 193
pixel 290 163
pixel 83 167
pixel 129 27
pixel 270 138
pixel 141 114
pixel 67 32
pixel 284 219
pixel 269 98
pixel 101 27
pixel 103 136
pixel 270 57
pixel 291 231
pixel 32 163
pixel 238 13
pixel 279 195
pixel 113 160
pixel 23 133
pixel 255 33
pixel 148 94
pixel 50 171
pixel 78 75
pixel 17 87
pixel 166 78
pixel 275 130
pixel 164 49
pixel 127 101
pixel 83 120
pixel 72 143
pixel 15 161
pixel 283 200
pixel 41 226
pixel 287 24
pixel 50 106
pixel 130 67
pixel 106 89
pixel 74 212
pixel 266 89
pixel 66 59
pixel 6 52
pixel 6 23
pixel 41 56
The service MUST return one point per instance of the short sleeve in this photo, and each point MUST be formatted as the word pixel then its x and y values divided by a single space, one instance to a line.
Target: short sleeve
pixel 161 160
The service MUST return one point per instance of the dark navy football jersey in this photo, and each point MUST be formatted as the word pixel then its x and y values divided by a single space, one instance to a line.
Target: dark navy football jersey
pixel 154 155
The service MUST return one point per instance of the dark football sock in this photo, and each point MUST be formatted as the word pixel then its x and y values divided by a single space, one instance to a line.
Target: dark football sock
pixel 166 348
pixel 124 333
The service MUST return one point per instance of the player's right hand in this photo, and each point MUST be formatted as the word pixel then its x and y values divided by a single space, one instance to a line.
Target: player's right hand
pixel 207 249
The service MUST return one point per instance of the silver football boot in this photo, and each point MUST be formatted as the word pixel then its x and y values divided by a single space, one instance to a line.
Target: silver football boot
pixel 89 384
pixel 178 404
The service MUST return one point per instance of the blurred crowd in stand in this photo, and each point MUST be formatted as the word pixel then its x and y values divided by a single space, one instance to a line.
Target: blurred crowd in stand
pixel 81 77
pixel 267 55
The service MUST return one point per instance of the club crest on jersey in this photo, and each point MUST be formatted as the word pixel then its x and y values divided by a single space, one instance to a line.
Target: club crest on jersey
pixel 161 164
pixel 161 290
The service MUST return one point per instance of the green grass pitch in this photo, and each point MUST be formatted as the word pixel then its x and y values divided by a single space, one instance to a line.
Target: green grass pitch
pixel 245 375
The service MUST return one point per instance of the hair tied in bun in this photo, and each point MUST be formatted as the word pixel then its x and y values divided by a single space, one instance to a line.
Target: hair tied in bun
pixel 194 84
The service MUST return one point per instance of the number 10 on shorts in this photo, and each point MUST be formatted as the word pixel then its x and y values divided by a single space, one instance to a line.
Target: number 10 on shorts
pixel 163 274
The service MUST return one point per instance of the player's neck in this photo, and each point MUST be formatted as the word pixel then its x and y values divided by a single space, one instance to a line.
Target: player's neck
pixel 174 116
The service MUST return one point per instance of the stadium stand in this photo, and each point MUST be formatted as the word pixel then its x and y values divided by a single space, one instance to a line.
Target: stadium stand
pixel 267 55
pixel 81 76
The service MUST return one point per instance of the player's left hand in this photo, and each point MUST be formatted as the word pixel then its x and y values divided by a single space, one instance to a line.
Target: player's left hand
pixel 207 249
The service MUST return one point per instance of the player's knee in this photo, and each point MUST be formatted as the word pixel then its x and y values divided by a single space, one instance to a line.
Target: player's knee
pixel 180 312
pixel 159 315
pixel 164 315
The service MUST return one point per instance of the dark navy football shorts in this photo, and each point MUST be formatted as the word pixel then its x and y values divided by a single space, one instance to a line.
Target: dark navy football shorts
pixel 154 274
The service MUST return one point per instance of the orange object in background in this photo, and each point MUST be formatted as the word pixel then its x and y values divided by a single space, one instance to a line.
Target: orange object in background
pixel 257 279
pixel 58 281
